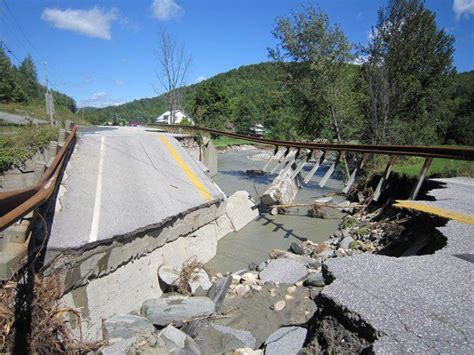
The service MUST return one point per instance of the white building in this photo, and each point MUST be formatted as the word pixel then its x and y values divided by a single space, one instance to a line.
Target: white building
pixel 179 115
pixel 258 130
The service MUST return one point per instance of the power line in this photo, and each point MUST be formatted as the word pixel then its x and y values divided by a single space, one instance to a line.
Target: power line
pixel 21 30
pixel 27 39
pixel 10 51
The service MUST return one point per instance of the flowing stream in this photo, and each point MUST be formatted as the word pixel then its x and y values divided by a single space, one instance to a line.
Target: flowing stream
pixel 255 242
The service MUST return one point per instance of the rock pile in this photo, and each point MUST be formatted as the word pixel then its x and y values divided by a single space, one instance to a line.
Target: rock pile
pixel 240 313
pixel 264 308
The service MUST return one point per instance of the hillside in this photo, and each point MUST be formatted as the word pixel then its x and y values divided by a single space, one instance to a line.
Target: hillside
pixel 22 93
pixel 258 94
pixel 261 85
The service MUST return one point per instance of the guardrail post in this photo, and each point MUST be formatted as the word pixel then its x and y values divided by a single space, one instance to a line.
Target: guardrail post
pixel 39 170
pixel 384 178
pixel 67 125
pixel 301 164
pixel 272 157
pixel 61 136
pixel 282 159
pixel 331 169
pixel 424 170
pixel 52 151
pixel 319 160
pixel 351 180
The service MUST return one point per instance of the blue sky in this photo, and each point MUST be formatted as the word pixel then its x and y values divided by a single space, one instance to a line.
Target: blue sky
pixel 104 52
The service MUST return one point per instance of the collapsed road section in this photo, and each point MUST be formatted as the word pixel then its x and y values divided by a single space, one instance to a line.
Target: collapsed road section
pixel 130 201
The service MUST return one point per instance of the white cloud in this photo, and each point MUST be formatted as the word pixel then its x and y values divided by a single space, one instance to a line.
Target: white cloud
pixel 93 23
pixel 463 8
pixel 98 96
pixel 102 99
pixel 118 82
pixel 200 78
pixel 165 9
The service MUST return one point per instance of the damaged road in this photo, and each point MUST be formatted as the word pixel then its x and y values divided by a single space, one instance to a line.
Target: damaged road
pixel 416 304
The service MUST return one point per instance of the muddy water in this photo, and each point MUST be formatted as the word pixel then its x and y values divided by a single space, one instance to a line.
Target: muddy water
pixel 255 242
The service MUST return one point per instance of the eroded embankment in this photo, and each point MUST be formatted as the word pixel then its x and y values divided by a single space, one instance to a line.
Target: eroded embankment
pixel 406 291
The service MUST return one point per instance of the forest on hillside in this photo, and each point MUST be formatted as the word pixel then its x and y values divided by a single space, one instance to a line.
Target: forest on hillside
pixel 403 88
pixel 21 85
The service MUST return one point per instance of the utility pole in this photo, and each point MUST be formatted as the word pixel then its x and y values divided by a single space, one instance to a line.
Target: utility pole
pixel 48 97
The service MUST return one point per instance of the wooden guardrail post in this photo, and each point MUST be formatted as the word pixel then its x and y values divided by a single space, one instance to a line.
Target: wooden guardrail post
pixel 317 164
pixel 424 170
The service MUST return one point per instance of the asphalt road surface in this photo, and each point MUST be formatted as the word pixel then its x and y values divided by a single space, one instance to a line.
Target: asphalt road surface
pixel 122 179
pixel 418 304
pixel 18 119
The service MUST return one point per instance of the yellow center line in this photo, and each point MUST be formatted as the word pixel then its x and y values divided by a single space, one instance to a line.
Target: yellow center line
pixel 465 218
pixel 186 169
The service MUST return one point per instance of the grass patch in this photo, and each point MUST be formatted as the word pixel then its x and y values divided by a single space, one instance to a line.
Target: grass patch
pixel 439 167
pixel 19 143
pixel 38 110
pixel 224 141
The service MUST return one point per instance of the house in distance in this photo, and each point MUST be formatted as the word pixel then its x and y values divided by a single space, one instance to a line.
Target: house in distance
pixel 180 118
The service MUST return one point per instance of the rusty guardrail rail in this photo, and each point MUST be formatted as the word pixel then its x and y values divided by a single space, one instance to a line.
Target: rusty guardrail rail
pixel 17 203
pixel 466 153
pixel 297 152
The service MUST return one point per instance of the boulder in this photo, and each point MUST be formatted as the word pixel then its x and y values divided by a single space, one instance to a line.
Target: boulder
pixel 178 342
pixel 176 308
pixel 286 340
pixel 283 271
pixel 297 248
pixel 247 339
pixel 241 209
pixel 118 347
pixel 314 279
pixel 126 326
pixel 261 266
pixel 346 243
pixel 219 290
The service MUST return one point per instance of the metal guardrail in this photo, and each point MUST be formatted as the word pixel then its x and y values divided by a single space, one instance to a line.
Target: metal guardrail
pixel 295 151
pixel 464 153
pixel 17 203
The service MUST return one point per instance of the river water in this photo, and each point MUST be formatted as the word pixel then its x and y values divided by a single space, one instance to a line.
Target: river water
pixel 255 241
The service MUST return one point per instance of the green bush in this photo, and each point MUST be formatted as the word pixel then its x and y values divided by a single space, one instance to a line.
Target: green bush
pixel 17 144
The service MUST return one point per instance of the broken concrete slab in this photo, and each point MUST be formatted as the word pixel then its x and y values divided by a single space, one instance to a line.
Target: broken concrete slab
pixel 282 190
pixel 286 340
pixel 241 210
pixel 176 308
pixel 283 271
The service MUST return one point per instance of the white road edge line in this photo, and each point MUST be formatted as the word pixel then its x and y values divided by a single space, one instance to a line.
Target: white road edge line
pixel 98 194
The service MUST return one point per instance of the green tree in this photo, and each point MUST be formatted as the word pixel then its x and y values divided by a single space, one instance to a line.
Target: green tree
pixel 10 91
pixel 408 76
pixel 28 79
pixel 210 105
pixel 245 115
pixel 461 130
pixel 320 79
